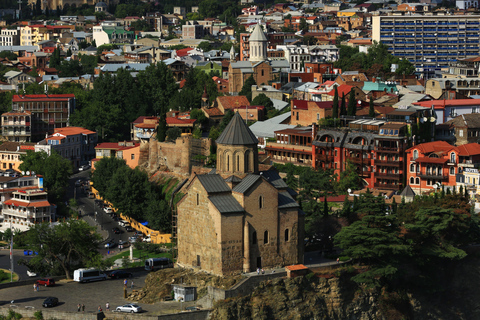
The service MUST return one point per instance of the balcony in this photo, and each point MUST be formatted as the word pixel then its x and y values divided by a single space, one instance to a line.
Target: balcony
pixel 390 163
pixel 144 135
pixel 274 146
pixel 387 186
pixel 324 157
pixel 358 160
pixel 386 149
pixel 433 176
pixel 386 175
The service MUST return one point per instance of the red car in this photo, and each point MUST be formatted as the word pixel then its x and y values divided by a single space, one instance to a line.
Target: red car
pixel 47 282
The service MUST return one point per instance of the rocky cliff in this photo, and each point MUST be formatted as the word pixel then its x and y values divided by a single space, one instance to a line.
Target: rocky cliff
pixel 335 296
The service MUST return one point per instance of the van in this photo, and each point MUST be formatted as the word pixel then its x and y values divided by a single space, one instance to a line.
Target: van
pixel 124 223
pixel 87 275
pixel 158 263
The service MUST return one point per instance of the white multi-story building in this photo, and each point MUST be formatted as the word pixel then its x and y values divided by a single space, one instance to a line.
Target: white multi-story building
pixel 10 37
pixel 24 202
pixel 297 56
pixel 430 42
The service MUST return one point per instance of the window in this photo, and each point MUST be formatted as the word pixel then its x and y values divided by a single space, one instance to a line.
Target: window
pixel 254 237
pixel 412 167
pixel 286 235
pixel 452 171
pixel 198 199
pixel 411 180
pixel 460 133
pixel 265 237
pixel 297 115
pixel 417 180
pixel 260 202
pixel 415 154
pixel 452 157
pixel 132 157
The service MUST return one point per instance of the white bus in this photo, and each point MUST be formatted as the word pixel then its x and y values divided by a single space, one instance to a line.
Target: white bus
pixel 87 275
pixel 153 264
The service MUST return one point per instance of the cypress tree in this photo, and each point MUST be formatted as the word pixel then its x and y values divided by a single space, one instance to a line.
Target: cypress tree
pixel 335 104
pixel 325 206
pixel 371 110
pixel 343 110
pixel 351 104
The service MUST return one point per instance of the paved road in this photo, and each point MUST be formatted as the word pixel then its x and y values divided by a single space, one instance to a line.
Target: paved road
pixel 92 294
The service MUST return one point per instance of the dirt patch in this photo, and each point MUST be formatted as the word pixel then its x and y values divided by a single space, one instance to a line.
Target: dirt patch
pixel 158 285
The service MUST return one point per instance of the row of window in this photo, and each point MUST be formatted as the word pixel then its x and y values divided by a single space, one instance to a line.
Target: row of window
pixel 453 156
pixel 266 239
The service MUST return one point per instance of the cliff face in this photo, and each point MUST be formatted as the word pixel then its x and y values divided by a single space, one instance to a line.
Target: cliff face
pixel 454 296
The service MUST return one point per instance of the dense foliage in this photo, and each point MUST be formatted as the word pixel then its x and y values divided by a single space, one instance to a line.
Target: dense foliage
pixel 62 248
pixel 430 232
pixel 130 191
pixel 54 168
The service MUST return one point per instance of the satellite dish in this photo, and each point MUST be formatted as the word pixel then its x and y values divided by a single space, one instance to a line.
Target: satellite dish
pixel 425 119
pixel 23 173
pixel 33 173
pixel 28 173
pixel 349 190
pixel 432 119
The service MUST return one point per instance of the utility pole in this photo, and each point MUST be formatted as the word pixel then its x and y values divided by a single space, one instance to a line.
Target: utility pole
pixel 11 252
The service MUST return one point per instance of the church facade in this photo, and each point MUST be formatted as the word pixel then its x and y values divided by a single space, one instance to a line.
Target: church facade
pixel 238 219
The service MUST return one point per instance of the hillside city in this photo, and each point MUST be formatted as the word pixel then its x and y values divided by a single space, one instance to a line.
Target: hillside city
pixel 245 148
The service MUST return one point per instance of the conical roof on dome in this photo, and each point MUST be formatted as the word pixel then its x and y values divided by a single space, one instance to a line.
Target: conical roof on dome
pixel 257 34
pixel 237 133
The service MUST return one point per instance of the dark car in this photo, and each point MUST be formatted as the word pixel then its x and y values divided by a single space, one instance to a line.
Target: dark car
pixel 118 274
pixel 116 230
pixel 50 302
pixel 129 229
pixel 47 282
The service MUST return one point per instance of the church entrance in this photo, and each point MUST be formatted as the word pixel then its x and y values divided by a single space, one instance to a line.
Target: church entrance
pixel 259 262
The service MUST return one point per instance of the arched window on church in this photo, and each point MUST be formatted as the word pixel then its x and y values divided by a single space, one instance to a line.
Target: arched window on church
pixel 238 162
pixel 254 237
pixel 228 163
pixel 287 235
pixel 260 202
pixel 265 237
pixel 198 199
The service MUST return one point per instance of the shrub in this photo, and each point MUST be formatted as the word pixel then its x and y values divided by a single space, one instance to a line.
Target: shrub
pixel 38 315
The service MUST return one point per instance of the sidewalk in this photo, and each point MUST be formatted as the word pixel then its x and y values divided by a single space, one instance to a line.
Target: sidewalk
pixel 91 222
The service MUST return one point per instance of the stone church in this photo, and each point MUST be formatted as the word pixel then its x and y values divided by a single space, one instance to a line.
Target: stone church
pixel 237 218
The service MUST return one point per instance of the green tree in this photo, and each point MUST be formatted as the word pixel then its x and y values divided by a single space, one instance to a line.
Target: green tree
pixel 9 55
pixel 199 115
pixel 343 110
pixel 374 241
pixel 263 100
pixel 55 61
pixel 209 8
pixel 335 104
pixel 205 46
pixel 162 129
pixel 405 67
pixel 247 88
pixel 173 133
pixel 105 168
pixel 64 247
pixel 371 109
pixel 352 104
pixel 54 168
pixel 303 26
pixel 349 179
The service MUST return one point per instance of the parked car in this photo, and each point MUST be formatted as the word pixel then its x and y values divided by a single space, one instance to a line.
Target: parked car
pixel 129 228
pixel 192 308
pixel 147 239
pixel 119 274
pixel 108 210
pixel 84 167
pixel 132 239
pixel 131 307
pixel 110 243
pixel 31 273
pixel 47 282
pixel 50 302
pixel 78 183
pixel 138 234
pixel 116 230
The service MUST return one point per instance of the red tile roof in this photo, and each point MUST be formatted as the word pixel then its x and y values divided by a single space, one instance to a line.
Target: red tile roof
pixel 305 105
pixel 27 204
pixel 172 120
pixel 470 149
pixel 42 97
pixel 230 102
pixel 296 267
pixel 340 198
pixel 441 104
pixel 183 52
pixel 146 125
pixel 212 112
pixel 73 130
pixel 342 90
pixel 140 119
pixel 431 160
pixel 435 146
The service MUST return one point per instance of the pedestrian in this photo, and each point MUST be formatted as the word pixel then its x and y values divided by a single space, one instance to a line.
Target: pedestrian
pixel 107 306
pixel 131 285
pixel 263 271
pixel 99 309
pixel 125 283
pixel 83 308
pixel 258 270
pixel 35 287
pixel 338 260
pixel 79 307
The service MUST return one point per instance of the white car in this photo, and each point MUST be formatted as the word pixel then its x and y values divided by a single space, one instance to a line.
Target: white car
pixel 132 308
pixel 108 210
pixel 83 168
pixel 31 273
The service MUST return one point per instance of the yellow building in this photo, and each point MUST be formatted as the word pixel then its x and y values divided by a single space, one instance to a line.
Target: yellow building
pixel 10 153
pixel 54 4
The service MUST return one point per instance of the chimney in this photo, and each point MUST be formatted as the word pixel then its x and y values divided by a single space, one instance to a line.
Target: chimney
pixel 374 79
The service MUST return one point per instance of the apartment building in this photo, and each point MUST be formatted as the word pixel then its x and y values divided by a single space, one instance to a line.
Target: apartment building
pixel 429 41
pixel 47 112
pixel 9 37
